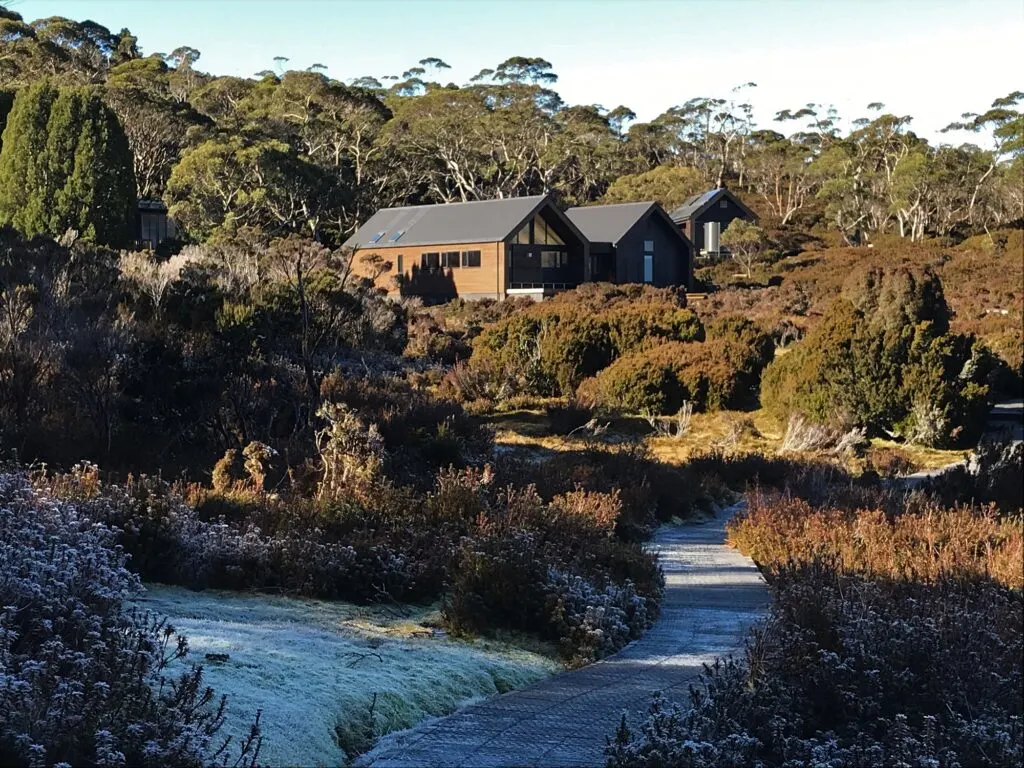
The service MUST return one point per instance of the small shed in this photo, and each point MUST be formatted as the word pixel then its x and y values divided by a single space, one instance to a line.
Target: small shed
pixel 704 217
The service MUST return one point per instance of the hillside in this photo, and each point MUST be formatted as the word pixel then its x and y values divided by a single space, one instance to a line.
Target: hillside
pixel 982 277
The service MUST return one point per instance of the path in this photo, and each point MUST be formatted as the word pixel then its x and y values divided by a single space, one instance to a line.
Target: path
pixel 1005 422
pixel 712 596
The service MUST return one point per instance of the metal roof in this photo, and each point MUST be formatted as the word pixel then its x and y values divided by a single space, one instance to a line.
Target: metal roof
pixel 695 205
pixel 608 223
pixel 479 221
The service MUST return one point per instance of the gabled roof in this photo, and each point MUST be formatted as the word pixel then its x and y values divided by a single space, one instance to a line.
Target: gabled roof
pixel 697 204
pixel 479 221
pixel 610 223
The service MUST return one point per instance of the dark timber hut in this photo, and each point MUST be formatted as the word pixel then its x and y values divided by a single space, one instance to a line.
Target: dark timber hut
pixel 704 217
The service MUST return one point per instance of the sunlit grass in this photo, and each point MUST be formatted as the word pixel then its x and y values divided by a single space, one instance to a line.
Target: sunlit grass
pixel 730 431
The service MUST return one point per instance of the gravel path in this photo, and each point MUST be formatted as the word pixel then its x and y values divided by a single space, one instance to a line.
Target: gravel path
pixel 712 596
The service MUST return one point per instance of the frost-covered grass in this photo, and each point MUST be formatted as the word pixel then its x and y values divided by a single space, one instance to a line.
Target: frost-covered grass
pixel 331 677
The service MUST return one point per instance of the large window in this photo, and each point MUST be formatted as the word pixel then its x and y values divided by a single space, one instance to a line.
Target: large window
pixel 648 261
pixel 542 234
pixel 450 259
pixel 553 259
pixel 430 262
pixel 471 258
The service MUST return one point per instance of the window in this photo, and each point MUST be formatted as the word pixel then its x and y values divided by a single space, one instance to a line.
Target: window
pixel 430 262
pixel 553 259
pixel 471 258
pixel 723 203
pixel 398 265
pixel 450 259
pixel 648 246
pixel 648 267
pixel 542 234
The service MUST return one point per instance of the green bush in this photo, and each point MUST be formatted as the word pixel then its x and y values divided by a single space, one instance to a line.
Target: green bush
pixel 553 346
pixel 714 374
pixel 883 359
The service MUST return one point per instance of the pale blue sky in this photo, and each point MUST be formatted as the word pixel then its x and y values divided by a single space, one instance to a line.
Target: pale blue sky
pixel 932 59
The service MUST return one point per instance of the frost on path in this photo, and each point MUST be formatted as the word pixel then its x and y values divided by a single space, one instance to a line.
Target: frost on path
pixel 316 668
pixel 712 596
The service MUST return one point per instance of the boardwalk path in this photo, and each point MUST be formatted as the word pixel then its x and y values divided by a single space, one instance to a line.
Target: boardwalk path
pixel 712 596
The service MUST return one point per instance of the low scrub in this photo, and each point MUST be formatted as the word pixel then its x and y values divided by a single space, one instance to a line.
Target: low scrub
pixel 851 672
pixel 924 544
pixel 83 680
pixel 364 539
pixel 994 474
pixel 550 348
pixel 892 640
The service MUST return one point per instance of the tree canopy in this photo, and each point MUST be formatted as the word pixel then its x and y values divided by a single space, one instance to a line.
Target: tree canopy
pixel 335 151
pixel 65 164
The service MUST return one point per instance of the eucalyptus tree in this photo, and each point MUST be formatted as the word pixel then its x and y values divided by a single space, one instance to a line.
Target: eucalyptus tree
pixel 1005 126
pixel 778 170
pixel 156 124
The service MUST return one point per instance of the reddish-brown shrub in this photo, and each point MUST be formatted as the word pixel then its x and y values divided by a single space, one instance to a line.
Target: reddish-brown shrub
pixel 924 545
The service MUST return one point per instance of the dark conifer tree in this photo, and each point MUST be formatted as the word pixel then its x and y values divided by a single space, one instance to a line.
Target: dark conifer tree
pixel 66 164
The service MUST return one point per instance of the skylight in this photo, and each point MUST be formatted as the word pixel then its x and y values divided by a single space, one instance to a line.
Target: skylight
pixel 394 237
pixel 376 238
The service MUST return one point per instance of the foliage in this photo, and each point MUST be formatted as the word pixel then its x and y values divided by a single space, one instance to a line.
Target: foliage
pixel 883 359
pixel 365 539
pixel 891 638
pixel 304 153
pixel 925 544
pixel 512 573
pixel 65 164
pixel 223 184
pixel 552 346
pixel 568 417
pixel 853 672
pixel 666 184
pixel 84 679
pixel 210 349
pixel 746 242
pixel 994 474
pixel 717 373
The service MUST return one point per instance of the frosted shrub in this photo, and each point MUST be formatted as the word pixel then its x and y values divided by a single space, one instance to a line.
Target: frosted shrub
pixel 927 423
pixel 169 543
pixel 82 681
pixel 850 672
pixel 515 579
pixel 591 622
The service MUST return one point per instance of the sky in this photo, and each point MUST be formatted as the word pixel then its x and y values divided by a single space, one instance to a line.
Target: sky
pixel 932 59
